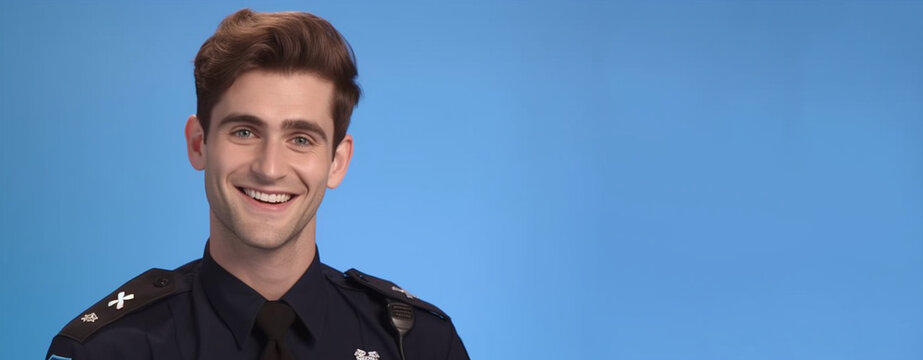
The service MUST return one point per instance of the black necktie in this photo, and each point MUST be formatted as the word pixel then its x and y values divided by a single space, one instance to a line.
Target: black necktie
pixel 274 320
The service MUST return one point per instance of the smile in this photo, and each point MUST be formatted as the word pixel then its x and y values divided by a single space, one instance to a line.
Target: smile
pixel 267 197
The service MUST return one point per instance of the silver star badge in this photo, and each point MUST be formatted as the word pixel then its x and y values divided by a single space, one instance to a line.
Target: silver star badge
pixel 91 317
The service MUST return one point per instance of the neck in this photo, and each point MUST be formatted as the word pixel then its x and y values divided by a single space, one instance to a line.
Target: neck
pixel 269 271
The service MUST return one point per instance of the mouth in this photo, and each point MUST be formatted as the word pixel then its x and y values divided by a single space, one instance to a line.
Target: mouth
pixel 266 197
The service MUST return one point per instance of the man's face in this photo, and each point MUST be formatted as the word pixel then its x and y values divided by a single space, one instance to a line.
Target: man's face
pixel 269 157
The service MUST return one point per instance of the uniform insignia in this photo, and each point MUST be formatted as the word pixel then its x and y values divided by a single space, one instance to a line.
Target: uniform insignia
pixel 405 292
pixel 362 355
pixel 120 302
pixel 91 317
pixel 144 289
pixel 392 291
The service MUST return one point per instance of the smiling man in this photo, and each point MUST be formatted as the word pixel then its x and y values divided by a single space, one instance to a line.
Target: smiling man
pixel 275 94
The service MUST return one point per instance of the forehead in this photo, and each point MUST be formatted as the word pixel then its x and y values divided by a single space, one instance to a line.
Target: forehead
pixel 275 97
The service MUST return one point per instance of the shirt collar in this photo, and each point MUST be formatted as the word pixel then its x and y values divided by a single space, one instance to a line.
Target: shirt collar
pixel 237 304
pixel 309 297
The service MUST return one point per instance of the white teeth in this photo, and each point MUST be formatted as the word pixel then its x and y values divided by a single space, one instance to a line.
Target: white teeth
pixel 270 198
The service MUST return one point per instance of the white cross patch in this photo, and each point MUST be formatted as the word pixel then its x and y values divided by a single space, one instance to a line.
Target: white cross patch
pixel 120 302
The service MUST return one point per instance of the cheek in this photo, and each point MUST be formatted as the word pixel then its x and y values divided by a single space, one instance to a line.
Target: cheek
pixel 226 159
pixel 311 171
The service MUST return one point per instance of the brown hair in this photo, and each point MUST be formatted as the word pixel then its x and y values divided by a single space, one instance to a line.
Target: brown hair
pixel 286 42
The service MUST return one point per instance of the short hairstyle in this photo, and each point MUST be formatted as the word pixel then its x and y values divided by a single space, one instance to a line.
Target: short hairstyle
pixel 286 42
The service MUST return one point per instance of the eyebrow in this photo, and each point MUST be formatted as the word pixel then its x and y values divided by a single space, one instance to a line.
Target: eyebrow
pixel 304 125
pixel 287 124
pixel 241 118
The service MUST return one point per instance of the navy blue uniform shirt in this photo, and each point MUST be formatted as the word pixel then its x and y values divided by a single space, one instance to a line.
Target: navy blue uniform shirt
pixel 200 311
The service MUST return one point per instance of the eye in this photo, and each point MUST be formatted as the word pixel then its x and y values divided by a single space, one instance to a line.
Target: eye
pixel 301 141
pixel 242 133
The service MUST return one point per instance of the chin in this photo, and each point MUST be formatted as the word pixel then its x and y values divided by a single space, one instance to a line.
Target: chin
pixel 265 241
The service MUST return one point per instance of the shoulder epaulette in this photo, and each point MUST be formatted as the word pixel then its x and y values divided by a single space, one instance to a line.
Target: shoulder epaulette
pixel 392 291
pixel 144 289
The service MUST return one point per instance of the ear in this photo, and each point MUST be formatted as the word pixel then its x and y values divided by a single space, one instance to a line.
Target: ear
pixel 341 157
pixel 195 143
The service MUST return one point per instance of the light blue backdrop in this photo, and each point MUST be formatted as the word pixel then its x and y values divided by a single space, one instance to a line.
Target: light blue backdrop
pixel 569 180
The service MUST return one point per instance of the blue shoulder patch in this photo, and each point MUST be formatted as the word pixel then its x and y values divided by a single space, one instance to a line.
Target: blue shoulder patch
pixel 56 357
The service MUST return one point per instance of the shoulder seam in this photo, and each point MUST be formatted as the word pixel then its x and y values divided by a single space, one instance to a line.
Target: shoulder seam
pixel 391 291
pixel 145 289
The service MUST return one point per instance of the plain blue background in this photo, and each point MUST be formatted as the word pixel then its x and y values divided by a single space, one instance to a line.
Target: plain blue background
pixel 568 180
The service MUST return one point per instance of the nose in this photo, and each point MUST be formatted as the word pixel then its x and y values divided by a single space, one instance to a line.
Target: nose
pixel 268 166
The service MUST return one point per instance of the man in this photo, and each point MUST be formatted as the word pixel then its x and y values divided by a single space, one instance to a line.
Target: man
pixel 275 94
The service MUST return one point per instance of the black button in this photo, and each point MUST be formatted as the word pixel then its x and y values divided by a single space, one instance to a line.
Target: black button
pixel 161 282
